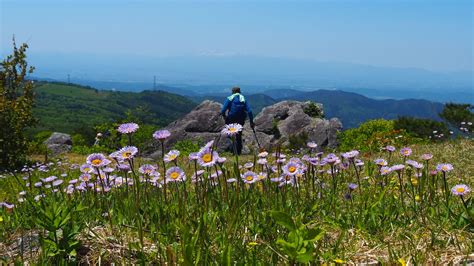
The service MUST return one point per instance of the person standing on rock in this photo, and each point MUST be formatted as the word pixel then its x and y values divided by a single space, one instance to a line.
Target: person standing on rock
pixel 235 110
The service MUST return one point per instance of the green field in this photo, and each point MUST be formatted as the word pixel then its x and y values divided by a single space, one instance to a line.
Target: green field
pixel 392 219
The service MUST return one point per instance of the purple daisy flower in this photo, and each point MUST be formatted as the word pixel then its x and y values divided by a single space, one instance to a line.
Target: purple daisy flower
pixel 49 179
pixel 414 164
pixel 221 160
pixel 85 177
pixel 123 167
pixel 352 186
pixel 287 180
pixel 385 170
pixel 175 174
pixel 426 156
pixel 232 129
pixel 108 170
pixel 116 156
pixel 147 169
pixel 97 160
pixel 314 161
pixel 311 144
pixel 161 134
pixel 171 156
pixel 380 162
pixel 128 128
pixel 350 154
pixel 390 148
pixel 444 167
pixel 460 190
pixel 248 165
pixel 332 159
pixel 262 161
pixel 38 184
pixel 405 151
pixel 249 177
pixel 57 182
pixel 207 157
pixel 208 145
pixel 7 205
pixel 193 156
pixel 397 167
pixel 215 175
pixel 291 168
pixel 261 175
pixel 128 152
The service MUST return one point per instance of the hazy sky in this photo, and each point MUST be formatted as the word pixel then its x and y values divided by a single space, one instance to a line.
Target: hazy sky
pixel 435 35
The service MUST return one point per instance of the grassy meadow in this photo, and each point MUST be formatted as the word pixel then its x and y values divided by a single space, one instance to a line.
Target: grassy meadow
pixel 276 208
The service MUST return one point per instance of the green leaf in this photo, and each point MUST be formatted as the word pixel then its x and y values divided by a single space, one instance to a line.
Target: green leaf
pixel 283 219
pixel 305 258
pixel 314 234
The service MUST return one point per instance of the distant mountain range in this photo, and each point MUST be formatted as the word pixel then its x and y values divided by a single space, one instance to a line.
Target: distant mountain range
pixel 206 75
pixel 68 107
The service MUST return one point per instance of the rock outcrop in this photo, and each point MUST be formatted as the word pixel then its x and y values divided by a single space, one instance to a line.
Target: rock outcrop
pixel 274 125
pixel 59 143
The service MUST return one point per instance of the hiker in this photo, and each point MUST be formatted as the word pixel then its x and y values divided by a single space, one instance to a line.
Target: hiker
pixel 235 110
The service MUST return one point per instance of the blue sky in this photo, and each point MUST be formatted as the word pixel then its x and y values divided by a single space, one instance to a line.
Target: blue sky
pixel 434 35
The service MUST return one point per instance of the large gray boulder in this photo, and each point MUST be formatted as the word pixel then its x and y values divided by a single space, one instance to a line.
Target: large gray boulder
pixel 204 123
pixel 274 125
pixel 59 143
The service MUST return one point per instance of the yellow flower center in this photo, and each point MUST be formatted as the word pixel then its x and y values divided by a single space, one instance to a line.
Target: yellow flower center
pixel 233 129
pixel 87 169
pixel 406 152
pixel 207 157
pixel 96 161
pixel 174 175
pixel 126 154
pixel 172 157
pixel 460 190
pixel 249 178
pixel 291 169
pixel 445 167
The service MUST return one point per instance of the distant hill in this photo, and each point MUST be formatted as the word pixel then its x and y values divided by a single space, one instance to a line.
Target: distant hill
pixel 353 108
pixel 67 107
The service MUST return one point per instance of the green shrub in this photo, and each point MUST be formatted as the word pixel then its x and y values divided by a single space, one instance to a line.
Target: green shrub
pixel 313 110
pixel 16 105
pixel 373 135
pixel 79 140
pixel 36 145
pixel 422 128
pixel 455 114
pixel 187 146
